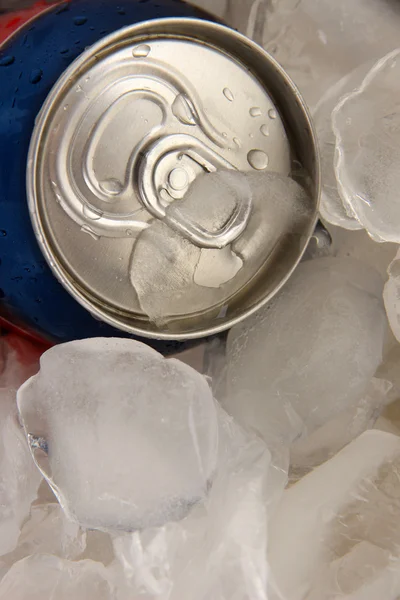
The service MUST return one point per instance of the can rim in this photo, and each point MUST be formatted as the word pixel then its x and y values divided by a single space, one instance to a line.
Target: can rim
pixel 31 181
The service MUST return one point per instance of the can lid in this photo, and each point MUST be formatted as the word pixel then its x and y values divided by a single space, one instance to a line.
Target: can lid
pixel 125 131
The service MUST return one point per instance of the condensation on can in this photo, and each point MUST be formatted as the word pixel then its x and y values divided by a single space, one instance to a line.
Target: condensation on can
pixel 124 132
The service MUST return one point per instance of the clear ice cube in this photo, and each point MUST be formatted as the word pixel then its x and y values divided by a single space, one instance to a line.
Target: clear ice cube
pixel 366 124
pixel 219 550
pixel 336 532
pixel 20 479
pixel 173 276
pixel 391 296
pixel 42 576
pixel 126 438
pixel 310 354
pixel 318 41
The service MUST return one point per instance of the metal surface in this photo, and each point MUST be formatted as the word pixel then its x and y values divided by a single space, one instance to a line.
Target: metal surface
pixel 125 131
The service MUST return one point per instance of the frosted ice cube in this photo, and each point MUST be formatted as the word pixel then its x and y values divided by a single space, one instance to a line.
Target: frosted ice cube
pixel 173 276
pixel 47 531
pixel 310 354
pixel 358 245
pixel 332 207
pixel 314 448
pixel 19 477
pixel 391 296
pixel 219 550
pixel 318 41
pixel 43 576
pixel 126 438
pixel 336 532
pixel 245 15
pixel 366 126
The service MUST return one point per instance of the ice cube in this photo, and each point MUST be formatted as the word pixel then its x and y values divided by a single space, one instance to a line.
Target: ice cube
pixel 247 16
pixel 336 532
pixel 358 245
pixel 310 354
pixel 366 126
pixel 219 550
pixel 19 477
pixel 126 438
pixel 332 207
pixel 318 41
pixel 391 296
pixel 312 449
pixel 47 531
pixel 42 576
pixel 173 276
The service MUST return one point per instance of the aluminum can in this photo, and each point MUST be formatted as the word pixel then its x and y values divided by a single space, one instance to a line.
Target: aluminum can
pixel 123 133
pixel 38 45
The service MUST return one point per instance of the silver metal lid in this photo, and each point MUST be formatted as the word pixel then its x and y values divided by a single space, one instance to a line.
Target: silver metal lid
pixel 126 130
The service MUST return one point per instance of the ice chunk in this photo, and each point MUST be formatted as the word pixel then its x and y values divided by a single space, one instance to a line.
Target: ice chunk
pixel 173 276
pixel 47 531
pixel 219 550
pixel 332 208
pixel 247 16
pixel 126 439
pixel 19 479
pixel 41 577
pixel 310 354
pixel 391 296
pixel 336 532
pixel 366 124
pixel 318 41
pixel 310 450
pixel 358 245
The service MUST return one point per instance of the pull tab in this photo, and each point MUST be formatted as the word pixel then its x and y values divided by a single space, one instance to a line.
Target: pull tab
pixel 164 151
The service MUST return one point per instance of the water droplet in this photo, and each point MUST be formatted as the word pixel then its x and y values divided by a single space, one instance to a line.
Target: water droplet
pixel 224 134
pixel 66 106
pixel 264 130
pixel 89 231
pixel 111 187
pixel 6 61
pixel 272 113
pixel 64 51
pixel 228 95
pixel 178 179
pixel 237 142
pixel 184 110
pixel 36 75
pixel 255 111
pixel 80 21
pixel 129 232
pixel 91 213
pixel 257 159
pixel 141 51
pixel 3 232
pixel 78 88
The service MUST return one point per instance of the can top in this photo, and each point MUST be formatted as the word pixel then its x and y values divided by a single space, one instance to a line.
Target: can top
pixel 123 134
